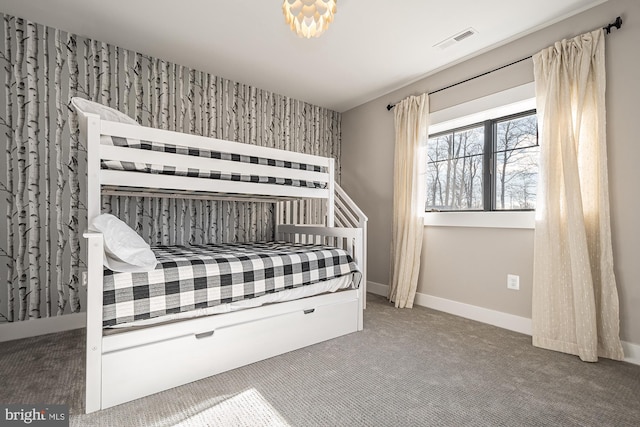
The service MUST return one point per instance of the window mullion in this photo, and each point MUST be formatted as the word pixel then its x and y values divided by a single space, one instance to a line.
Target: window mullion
pixel 489 166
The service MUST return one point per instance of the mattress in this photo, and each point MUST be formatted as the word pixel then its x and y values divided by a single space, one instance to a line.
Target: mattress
pixel 200 276
pixel 199 173
pixel 323 287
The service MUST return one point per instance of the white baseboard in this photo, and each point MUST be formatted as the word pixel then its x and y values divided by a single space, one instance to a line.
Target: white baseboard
pixel 42 326
pixel 473 312
pixel 377 288
pixel 631 352
pixel 485 315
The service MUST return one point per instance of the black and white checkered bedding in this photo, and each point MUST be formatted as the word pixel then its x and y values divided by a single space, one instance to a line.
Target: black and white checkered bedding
pixel 198 173
pixel 200 276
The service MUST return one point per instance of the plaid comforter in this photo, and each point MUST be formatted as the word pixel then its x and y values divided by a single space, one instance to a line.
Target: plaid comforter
pixel 200 276
pixel 198 173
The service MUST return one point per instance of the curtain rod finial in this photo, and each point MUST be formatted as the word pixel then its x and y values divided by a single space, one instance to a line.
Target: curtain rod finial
pixel 617 24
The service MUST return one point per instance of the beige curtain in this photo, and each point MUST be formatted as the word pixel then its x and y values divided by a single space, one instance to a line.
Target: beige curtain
pixel 411 124
pixel 575 301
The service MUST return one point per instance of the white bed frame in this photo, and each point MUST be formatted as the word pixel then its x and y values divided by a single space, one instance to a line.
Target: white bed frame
pixel 128 365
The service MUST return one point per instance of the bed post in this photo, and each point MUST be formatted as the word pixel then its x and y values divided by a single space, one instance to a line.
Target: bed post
pixel 332 194
pixel 90 134
pixel 93 394
pixel 359 252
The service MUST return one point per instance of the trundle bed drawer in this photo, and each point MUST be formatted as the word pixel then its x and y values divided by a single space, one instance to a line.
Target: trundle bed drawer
pixel 139 371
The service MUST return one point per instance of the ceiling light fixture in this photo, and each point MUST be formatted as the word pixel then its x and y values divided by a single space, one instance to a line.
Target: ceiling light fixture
pixel 309 18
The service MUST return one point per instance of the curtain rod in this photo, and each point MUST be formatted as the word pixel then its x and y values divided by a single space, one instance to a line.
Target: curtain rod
pixel 607 28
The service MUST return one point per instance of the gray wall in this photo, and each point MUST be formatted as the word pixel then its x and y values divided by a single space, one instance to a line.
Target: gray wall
pixel 490 253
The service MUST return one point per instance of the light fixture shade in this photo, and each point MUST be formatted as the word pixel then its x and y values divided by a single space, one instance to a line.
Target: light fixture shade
pixel 309 18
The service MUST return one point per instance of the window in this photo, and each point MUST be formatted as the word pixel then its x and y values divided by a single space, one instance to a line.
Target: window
pixel 487 166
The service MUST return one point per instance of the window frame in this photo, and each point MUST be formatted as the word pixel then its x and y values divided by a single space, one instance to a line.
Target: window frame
pixel 489 159
pixel 459 130
pixel 494 154
pixel 499 104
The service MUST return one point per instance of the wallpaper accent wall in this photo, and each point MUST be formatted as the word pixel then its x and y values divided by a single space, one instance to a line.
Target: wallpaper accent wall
pixel 44 181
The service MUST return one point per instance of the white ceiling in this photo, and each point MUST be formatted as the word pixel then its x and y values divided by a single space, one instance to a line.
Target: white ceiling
pixel 372 48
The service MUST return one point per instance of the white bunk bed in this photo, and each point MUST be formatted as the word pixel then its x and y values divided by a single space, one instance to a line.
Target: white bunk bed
pixel 138 362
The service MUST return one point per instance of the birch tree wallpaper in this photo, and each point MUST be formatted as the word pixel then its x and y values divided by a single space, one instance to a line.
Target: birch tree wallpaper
pixel 44 179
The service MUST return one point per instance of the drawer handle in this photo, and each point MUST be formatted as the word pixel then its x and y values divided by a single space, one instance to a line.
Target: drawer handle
pixel 204 334
pixel 309 311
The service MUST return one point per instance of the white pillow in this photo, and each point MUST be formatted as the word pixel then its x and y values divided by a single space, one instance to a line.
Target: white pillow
pixel 105 113
pixel 124 249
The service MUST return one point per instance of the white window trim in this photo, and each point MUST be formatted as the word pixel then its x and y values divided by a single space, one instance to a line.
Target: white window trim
pixel 512 219
pixel 505 103
pixel 510 101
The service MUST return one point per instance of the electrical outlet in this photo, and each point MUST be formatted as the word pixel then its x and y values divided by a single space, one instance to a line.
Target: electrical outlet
pixel 513 282
pixel 85 279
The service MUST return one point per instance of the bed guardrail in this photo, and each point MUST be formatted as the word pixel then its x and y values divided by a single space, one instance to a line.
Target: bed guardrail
pixel 348 214
pixel 346 238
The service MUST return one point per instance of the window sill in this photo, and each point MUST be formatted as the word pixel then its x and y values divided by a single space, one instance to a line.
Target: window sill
pixel 525 219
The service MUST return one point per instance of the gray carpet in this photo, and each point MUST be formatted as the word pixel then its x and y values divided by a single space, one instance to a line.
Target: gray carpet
pixel 407 368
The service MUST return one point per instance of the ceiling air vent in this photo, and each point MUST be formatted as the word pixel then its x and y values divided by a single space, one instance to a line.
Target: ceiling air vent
pixel 457 38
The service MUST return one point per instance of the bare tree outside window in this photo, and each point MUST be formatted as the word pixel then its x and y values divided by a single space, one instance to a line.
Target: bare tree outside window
pixel 517 153
pixel 454 170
